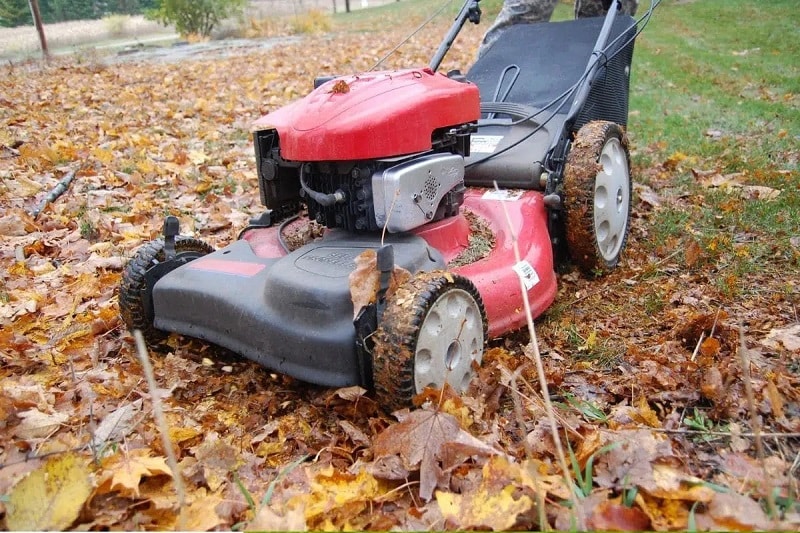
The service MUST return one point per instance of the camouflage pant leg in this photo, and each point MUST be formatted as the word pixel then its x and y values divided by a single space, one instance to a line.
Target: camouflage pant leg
pixel 594 8
pixel 517 12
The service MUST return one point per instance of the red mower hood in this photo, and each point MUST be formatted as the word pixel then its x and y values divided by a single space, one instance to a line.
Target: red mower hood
pixel 372 115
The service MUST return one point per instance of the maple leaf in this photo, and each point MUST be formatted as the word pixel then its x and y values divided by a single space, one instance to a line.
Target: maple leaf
pixel 201 513
pixel 128 469
pixel 422 439
pixel 339 491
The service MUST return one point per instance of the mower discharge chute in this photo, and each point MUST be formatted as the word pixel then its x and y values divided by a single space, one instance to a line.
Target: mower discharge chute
pixel 415 165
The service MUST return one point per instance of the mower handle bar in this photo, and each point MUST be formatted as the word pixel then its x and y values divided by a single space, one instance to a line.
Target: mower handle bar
pixel 582 91
pixel 470 11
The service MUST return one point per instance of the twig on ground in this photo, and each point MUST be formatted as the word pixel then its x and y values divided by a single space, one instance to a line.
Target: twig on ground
pixel 537 358
pixel 60 188
pixel 755 423
pixel 697 348
pixel 543 525
pixel 723 433
pixel 161 421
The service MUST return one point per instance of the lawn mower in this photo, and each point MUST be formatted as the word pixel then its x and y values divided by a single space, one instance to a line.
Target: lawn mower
pixel 442 175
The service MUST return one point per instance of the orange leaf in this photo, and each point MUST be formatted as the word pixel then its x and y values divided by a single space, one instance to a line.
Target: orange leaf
pixel 611 516
pixel 129 469
pixel 340 87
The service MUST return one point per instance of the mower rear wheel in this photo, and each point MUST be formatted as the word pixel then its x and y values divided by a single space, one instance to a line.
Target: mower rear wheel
pixel 432 332
pixel 597 196
pixel 135 294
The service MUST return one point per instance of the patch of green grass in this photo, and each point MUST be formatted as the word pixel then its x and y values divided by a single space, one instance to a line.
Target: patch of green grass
pixel 592 348
pixel 715 90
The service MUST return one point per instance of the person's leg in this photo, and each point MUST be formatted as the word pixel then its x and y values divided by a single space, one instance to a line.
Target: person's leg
pixel 517 12
pixel 594 8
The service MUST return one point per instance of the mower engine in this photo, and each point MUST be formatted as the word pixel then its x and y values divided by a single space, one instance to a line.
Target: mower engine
pixel 393 157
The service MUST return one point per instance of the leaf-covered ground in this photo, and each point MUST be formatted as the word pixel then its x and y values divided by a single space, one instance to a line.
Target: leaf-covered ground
pixel 661 372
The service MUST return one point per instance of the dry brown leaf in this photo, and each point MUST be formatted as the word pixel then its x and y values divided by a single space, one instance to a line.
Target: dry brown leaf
pixel 611 515
pixel 340 87
pixel 365 280
pixel 731 511
pixel 787 338
pixel 36 424
pixel 420 439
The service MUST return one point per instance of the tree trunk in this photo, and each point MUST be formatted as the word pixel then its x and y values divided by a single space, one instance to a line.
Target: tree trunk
pixel 37 20
pixel 347 6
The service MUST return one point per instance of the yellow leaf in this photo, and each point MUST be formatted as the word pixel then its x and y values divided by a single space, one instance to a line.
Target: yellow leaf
pixel 483 508
pixel 591 340
pixel 178 434
pixel 103 155
pixel 129 469
pixel 201 514
pixel 332 490
pixel 51 497
pixel 197 157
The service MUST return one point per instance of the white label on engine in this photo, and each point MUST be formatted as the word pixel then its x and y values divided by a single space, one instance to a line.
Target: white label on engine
pixel 484 144
pixel 503 195
pixel 527 274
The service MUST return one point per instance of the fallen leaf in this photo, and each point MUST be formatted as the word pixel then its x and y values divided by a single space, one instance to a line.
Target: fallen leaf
pixel 36 424
pixel 51 497
pixel 128 469
pixel 647 195
pixel 692 253
pixel 116 425
pixel 611 515
pixel 483 509
pixel 291 517
pixel 420 438
pixel 734 512
pixel 788 338
pixel 201 514
pixel 365 280
pixel 348 493
pixel 218 459
pixel 340 87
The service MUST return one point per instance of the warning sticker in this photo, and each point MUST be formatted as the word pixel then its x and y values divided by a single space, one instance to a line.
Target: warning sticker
pixel 503 195
pixel 527 274
pixel 484 144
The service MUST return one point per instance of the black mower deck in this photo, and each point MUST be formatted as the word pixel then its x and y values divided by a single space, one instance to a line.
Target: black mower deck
pixel 292 314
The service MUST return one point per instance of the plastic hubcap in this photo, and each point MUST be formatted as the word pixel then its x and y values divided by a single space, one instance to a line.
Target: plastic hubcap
pixel 611 200
pixel 450 339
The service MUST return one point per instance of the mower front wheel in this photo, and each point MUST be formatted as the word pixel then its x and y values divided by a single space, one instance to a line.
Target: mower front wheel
pixel 597 196
pixel 431 333
pixel 136 287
